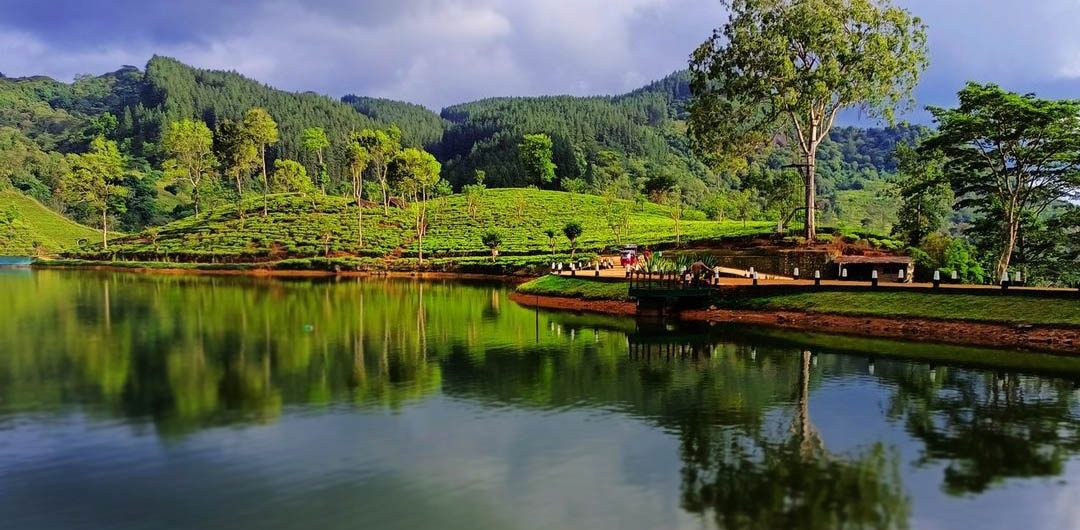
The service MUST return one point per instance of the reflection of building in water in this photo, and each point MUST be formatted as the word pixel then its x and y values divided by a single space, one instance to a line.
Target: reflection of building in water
pixel 658 340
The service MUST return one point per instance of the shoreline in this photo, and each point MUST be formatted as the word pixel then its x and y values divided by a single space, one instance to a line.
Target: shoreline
pixel 284 273
pixel 1054 339
pixel 1048 338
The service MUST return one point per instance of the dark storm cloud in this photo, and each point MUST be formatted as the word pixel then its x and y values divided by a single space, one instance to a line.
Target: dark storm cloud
pixel 439 52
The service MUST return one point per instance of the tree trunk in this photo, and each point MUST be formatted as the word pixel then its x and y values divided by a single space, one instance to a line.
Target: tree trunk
pixel 195 196
pixel 105 228
pixel 385 193
pixel 421 221
pixel 240 198
pixel 266 183
pixel 319 172
pixel 810 230
pixel 1012 229
pixel 360 220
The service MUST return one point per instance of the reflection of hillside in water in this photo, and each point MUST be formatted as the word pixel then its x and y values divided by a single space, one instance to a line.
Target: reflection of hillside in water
pixel 188 353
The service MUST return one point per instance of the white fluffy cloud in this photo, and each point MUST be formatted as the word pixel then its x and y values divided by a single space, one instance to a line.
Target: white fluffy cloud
pixel 439 52
pixel 432 52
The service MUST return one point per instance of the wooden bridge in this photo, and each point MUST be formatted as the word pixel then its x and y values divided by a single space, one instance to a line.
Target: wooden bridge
pixel 667 291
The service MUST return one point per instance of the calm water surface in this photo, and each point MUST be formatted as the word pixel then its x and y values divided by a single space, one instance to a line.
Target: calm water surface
pixel 131 401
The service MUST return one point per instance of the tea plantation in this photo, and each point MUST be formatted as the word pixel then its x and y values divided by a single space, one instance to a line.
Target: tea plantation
pixel 27 227
pixel 320 228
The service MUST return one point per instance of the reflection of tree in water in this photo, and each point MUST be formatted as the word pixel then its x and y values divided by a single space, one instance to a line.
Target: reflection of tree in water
pixel 196 352
pixel 987 426
pixel 747 480
pixel 193 352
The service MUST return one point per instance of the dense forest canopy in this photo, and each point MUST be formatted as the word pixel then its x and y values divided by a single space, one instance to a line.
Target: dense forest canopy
pixel 644 128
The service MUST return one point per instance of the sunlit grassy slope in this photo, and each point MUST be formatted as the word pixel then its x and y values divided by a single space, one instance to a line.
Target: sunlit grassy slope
pixel 35 228
pixel 299 227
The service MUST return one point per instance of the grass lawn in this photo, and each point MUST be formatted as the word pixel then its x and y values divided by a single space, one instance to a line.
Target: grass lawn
pixel 984 308
pixel 552 285
pixel 987 308
pixel 35 223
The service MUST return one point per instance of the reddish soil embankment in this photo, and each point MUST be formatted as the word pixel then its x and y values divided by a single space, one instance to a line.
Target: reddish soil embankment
pixel 1047 338
pixel 611 307
pixel 279 273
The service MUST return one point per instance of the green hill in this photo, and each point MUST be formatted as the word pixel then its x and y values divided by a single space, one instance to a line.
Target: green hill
pixel 27 227
pixel 640 128
pixel 639 135
pixel 317 226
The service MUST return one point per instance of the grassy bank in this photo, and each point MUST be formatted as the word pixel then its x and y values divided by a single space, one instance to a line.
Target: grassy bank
pixel 980 308
pixel 976 308
pixel 569 287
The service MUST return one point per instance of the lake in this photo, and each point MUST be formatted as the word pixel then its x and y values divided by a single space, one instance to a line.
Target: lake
pixel 136 401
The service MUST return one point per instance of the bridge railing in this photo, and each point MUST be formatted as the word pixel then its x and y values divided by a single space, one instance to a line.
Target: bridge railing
pixel 667 281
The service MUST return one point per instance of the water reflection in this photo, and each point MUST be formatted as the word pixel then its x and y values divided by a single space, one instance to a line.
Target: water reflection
pixel 988 426
pixel 760 421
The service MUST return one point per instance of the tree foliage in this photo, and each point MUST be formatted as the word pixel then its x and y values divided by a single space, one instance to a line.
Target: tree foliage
pixel 421 172
pixel 790 66
pixel 315 141
pixel 382 146
pixel 572 230
pixel 261 128
pixel 1009 156
pixel 536 152
pixel 492 239
pixel 926 198
pixel 190 147
pixel 96 180
pixel 291 176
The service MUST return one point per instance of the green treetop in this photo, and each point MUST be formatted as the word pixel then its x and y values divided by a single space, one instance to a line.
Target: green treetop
pixel 96 179
pixel 263 131
pixel 420 172
pixel 926 198
pixel 291 176
pixel 315 141
pixel 790 66
pixel 189 144
pixel 536 152
pixel 572 231
pixel 238 154
pixel 492 239
pixel 382 146
pixel 359 159
pixel 1009 155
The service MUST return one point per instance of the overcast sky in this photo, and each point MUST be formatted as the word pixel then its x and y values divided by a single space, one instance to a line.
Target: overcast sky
pixel 439 52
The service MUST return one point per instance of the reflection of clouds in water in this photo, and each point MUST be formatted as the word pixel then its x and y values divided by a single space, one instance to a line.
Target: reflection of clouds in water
pixel 1065 508
pixel 511 468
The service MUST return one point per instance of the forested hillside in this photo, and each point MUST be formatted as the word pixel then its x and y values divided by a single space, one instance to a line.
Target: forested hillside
pixel 636 140
pixel 419 125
